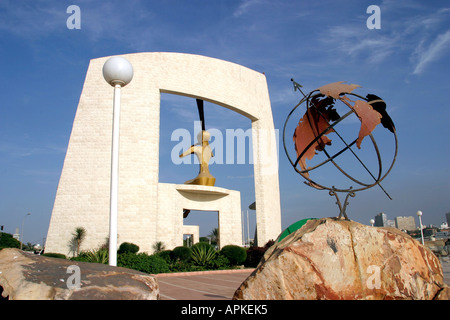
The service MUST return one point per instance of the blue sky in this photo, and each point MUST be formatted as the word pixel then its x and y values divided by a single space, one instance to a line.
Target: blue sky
pixel 406 62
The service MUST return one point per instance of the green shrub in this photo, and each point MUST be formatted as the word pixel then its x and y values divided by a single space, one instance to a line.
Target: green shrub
pixel 180 266
pixel 128 247
pixel 235 254
pixel 100 255
pixel 202 244
pixel 81 258
pixel 254 255
pixel 219 262
pixel 54 255
pixel 142 262
pixel 203 253
pixel 181 254
pixel 7 241
pixel 165 254
pixel 269 244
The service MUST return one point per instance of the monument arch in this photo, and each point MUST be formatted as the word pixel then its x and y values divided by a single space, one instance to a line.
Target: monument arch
pixel 144 214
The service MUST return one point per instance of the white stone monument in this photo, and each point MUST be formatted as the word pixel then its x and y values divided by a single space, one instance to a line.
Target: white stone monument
pixel 150 211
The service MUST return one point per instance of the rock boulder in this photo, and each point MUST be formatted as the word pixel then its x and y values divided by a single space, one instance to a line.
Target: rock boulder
pixel 337 259
pixel 25 276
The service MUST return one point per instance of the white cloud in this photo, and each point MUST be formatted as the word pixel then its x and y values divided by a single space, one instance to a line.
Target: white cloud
pixel 400 5
pixel 433 52
pixel 400 36
pixel 355 41
pixel 20 150
pixel 31 20
pixel 244 7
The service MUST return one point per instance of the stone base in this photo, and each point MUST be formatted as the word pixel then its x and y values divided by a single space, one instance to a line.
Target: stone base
pixel 344 260
pixel 26 276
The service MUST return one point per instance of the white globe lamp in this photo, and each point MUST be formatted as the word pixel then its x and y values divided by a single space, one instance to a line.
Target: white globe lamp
pixel 118 71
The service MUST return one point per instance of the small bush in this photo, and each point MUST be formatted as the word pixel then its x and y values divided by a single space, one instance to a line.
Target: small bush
pixel 202 245
pixel 254 255
pixel 80 258
pixel 235 254
pixel 165 254
pixel 181 254
pixel 142 262
pixel 54 255
pixel 180 266
pixel 128 247
pixel 98 256
pixel 269 243
pixel 219 262
pixel 7 241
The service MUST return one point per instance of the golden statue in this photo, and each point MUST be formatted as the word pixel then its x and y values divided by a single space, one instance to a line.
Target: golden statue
pixel 204 153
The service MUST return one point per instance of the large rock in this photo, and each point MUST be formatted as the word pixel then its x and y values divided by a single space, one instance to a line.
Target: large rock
pixel 337 259
pixel 25 276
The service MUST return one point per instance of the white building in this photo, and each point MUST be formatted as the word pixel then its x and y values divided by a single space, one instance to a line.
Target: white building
pixel 405 223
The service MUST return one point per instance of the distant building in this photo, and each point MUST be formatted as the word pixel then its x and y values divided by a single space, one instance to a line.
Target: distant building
pixel 381 220
pixel 17 234
pixel 405 223
pixel 447 215
pixel 390 223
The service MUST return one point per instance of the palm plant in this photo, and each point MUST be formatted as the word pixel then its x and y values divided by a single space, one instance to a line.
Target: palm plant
pixel 214 236
pixel 77 238
pixel 97 256
pixel 158 246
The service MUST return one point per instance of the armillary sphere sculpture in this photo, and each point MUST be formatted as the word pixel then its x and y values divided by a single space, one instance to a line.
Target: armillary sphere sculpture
pixel 318 124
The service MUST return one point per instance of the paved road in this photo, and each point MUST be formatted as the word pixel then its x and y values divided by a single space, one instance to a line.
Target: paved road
pixel 216 285
pixel 210 285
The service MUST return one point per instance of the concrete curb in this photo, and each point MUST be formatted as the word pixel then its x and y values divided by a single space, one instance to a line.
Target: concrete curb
pixel 196 273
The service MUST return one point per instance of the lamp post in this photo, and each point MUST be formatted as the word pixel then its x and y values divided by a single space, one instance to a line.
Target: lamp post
pixel 23 221
pixel 118 72
pixel 419 214
pixel 372 222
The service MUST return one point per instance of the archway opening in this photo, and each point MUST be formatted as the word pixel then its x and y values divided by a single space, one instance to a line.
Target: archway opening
pixel 231 143
pixel 208 227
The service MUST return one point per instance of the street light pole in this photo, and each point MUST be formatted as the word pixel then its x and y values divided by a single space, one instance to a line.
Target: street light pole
pixel 118 72
pixel 114 179
pixel 419 213
pixel 23 221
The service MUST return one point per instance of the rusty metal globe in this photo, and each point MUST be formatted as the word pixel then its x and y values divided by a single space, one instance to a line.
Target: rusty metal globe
pixel 307 102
